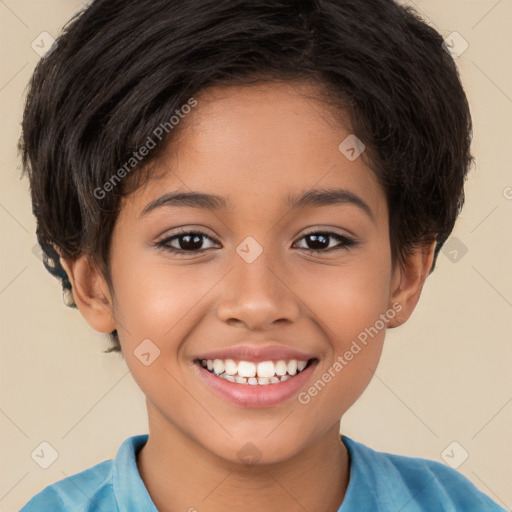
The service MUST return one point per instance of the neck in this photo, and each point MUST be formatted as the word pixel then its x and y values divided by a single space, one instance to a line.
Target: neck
pixel 181 474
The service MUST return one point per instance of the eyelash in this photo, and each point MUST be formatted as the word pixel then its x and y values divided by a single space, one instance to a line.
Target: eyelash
pixel 345 242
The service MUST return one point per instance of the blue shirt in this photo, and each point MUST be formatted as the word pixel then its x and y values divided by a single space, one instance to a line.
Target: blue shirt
pixel 379 482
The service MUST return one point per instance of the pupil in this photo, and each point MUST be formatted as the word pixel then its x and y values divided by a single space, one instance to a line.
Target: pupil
pixel 316 244
pixel 187 245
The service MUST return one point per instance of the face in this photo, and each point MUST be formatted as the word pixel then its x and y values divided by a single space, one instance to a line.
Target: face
pixel 256 270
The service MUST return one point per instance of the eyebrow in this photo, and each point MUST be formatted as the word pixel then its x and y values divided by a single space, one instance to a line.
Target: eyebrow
pixel 326 197
pixel 190 199
pixel 309 199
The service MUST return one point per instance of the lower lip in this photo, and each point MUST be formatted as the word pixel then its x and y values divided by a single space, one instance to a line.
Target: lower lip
pixel 259 395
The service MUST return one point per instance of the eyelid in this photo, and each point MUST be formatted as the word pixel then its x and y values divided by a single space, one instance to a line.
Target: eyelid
pixel 329 230
pixel 164 240
pixel 185 230
pixel 344 242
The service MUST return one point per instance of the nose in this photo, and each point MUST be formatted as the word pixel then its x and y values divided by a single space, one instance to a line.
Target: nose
pixel 257 295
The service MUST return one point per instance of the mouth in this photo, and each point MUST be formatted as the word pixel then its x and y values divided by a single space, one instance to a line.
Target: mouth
pixel 256 374
pixel 252 384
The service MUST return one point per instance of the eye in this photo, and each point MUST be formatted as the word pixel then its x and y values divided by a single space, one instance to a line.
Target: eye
pixel 187 242
pixel 319 241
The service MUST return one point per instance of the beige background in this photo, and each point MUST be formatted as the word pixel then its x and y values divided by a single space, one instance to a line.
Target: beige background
pixel 444 376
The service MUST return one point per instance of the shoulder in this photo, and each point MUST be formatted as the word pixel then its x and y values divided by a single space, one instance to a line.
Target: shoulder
pixel 415 483
pixel 110 486
pixel 87 491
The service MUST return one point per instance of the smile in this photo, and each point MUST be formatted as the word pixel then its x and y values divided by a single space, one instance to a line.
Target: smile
pixel 249 373
pixel 251 384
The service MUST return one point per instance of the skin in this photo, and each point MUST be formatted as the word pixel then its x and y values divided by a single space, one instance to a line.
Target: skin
pixel 252 145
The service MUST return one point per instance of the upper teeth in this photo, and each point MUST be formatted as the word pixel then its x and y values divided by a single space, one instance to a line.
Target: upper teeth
pixel 248 369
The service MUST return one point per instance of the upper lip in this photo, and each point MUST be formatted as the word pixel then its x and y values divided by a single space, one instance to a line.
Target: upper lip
pixel 257 354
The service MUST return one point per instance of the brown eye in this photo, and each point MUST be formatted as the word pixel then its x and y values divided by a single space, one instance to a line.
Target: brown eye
pixel 185 242
pixel 320 241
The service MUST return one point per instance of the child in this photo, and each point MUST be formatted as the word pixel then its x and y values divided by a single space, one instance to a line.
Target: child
pixel 245 195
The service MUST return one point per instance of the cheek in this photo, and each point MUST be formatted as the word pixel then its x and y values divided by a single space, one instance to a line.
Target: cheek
pixel 350 297
pixel 155 313
pixel 353 306
pixel 348 302
pixel 153 298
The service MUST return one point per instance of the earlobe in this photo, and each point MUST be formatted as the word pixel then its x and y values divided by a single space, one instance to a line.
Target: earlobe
pixel 90 292
pixel 408 280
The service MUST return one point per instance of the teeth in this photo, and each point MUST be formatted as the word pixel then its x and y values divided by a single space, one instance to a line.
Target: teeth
pixel 292 367
pixel 247 372
pixel 246 369
pixel 230 367
pixel 281 368
pixel 218 366
pixel 266 369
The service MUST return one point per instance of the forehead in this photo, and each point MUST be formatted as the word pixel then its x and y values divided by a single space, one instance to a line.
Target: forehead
pixel 258 146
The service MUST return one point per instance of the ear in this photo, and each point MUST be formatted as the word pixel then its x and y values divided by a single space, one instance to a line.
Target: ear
pixel 408 280
pixel 90 292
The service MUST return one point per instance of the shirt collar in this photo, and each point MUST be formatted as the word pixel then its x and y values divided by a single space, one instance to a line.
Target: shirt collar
pixel 361 477
pixel 129 489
